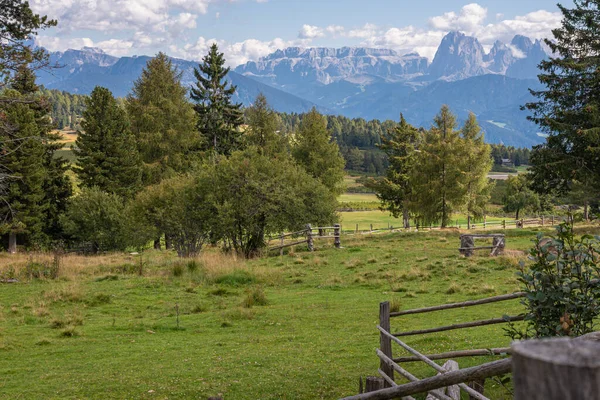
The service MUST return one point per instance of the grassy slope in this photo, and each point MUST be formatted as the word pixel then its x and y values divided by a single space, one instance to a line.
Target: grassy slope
pixel 313 339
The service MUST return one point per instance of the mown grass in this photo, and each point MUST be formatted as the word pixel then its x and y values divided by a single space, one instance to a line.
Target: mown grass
pixel 298 326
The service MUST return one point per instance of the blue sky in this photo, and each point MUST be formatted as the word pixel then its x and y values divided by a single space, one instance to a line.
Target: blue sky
pixel 248 29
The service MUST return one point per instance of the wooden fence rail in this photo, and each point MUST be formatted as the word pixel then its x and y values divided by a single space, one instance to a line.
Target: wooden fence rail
pixel 309 237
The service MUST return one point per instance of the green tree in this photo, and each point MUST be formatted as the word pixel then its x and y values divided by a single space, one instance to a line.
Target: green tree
pixel 264 128
pixel 437 175
pixel 107 155
pixel 316 151
pixel 354 159
pixel 476 164
pixel 519 197
pixel 162 121
pixel 219 120
pixel 568 110
pixel 256 195
pixel 96 218
pixel 395 191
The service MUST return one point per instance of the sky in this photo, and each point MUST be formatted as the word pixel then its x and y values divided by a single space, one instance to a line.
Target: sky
pixel 246 30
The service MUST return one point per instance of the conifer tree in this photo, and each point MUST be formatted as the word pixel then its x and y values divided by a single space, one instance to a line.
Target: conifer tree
pixel 162 121
pixel 476 163
pixel 438 187
pixel 318 153
pixel 568 110
pixel 107 156
pixel 218 118
pixel 395 191
pixel 263 128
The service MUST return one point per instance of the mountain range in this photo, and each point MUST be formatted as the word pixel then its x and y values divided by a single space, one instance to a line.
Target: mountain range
pixel 358 82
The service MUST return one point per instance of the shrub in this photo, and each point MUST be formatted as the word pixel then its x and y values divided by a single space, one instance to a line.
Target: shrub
pixel 563 294
pixel 177 270
pixel 255 297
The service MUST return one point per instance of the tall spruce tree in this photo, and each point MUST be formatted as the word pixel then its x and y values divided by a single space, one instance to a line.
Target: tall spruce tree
pixel 437 174
pixel 568 110
pixel 107 156
pixel 218 118
pixel 395 191
pixel 476 163
pixel 163 121
pixel 318 153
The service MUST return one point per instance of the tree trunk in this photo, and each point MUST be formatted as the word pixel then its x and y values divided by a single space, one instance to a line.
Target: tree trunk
pixel 586 211
pixel 157 244
pixel 12 243
pixel 168 242
pixel 406 219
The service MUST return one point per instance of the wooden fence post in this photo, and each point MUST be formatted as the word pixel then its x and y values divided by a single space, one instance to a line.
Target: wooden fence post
pixel 371 227
pixel 336 234
pixel 552 222
pixel 484 221
pixel 522 223
pixel 468 222
pixel 281 249
pixel 554 369
pixel 542 220
pixel 309 238
pixel 503 224
pixel 385 343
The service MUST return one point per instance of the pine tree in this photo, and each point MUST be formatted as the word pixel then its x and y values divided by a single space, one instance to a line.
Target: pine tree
pixel 107 156
pixel 162 121
pixel 263 128
pixel 318 153
pixel 436 177
pixel 476 164
pixel 219 119
pixel 569 108
pixel 395 191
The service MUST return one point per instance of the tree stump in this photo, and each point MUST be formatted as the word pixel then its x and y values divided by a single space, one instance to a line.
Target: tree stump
pixel 466 244
pixel 374 383
pixel 556 369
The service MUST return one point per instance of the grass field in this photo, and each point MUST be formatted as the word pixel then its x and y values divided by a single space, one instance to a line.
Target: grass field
pixel 300 326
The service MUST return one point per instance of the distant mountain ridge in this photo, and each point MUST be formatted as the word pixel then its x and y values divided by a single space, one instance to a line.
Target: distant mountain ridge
pixel 359 82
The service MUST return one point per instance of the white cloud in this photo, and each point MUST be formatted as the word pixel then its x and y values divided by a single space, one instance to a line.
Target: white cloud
pixel 367 31
pixel 310 32
pixel 468 19
pixel 335 30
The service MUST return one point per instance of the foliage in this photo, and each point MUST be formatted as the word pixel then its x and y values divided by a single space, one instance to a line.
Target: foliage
pixel 97 218
pixel 106 151
pixel 264 128
pixel 519 197
pixel 162 121
pixel 67 108
pixel 218 119
pixel 395 191
pixel 568 110
pixel 563 294
pixel 437 175
pixel 317 153
pixel 256 196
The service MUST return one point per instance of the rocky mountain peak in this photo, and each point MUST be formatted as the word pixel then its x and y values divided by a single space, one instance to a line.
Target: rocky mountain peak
pixel 458 56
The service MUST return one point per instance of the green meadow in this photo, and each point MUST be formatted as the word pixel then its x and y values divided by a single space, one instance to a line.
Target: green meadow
pixel 297 326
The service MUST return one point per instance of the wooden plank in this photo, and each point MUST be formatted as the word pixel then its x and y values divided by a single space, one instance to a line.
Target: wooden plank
pixel 385 343
pixel 287 245
pixel 436 393
pixel 458 354
pixel 386 378
pixel 468 303
pixel 487 370
pixel 430 363
pixel 461 326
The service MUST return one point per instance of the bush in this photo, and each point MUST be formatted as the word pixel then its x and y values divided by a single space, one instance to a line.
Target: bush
pixel 255 297
pixel 563 294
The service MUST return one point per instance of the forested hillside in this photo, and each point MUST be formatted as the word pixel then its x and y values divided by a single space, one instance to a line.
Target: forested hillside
pixel 66 108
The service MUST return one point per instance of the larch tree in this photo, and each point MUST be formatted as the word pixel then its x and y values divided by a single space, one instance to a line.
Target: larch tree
pixel 163 121
pixel 395 191
pixel 436 177
pixel 219 119
pixel 476 164
pixel 107 155
pixel 316 151
pixel 264 128
pixel 568 110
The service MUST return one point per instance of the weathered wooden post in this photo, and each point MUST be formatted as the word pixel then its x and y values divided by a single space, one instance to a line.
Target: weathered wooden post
pixel 522 223
pixel 336 234
pixel 371 227
pixel 385 343
pixel 499 244
pixel 12 242
pixel 309 238
pixel 542 220
pixel 556 369
pixel 503 224
pixel 281 242
pixel 468 222
pixel 466 245
pixel 484 221
pixel 356 228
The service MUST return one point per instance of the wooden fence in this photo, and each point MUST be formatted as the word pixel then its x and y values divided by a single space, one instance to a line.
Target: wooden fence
pixel 308 236
pixel 504 224
pixel 449 374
